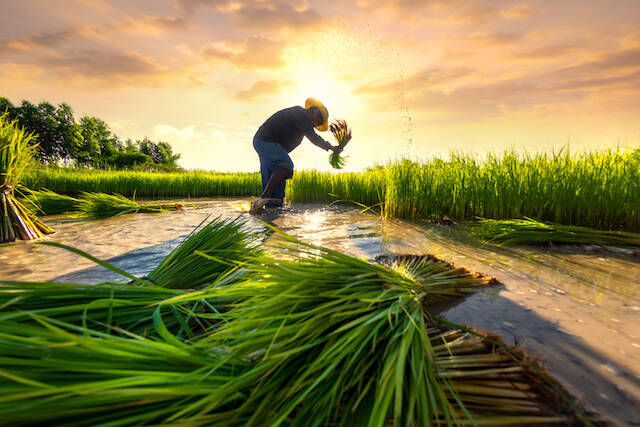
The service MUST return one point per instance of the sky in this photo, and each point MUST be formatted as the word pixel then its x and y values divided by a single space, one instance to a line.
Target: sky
pixel 416 78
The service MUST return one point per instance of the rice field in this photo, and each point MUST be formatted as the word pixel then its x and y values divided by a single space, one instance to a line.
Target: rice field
pixel 595 189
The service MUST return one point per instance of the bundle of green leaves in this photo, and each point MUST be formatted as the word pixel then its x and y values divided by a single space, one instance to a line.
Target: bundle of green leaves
pixel 17 150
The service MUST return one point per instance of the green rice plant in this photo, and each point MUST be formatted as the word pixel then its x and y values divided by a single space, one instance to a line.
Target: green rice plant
pixel 311 334
pixel 593 189
pixel 52 373
pixel 597 189
pixel 209 256
pixel 213 251
pixel 150 185
pixel 342 133
pixel 17 150
pixel 46 202
pixel 529 231
pixel 101 205
pixel 114 307
pixel 338 340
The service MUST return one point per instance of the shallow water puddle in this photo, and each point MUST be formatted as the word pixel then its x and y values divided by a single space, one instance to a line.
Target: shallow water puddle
pixel 578 311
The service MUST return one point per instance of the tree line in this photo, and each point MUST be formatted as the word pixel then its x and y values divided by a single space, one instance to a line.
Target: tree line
pixel 87 142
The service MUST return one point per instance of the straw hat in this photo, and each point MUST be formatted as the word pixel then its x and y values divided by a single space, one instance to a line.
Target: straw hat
pixel 312 102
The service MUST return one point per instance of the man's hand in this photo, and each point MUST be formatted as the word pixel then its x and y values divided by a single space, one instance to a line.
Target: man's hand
pixel 336 149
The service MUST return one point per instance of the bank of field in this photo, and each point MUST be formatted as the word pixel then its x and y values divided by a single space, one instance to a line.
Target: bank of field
pixel 599 189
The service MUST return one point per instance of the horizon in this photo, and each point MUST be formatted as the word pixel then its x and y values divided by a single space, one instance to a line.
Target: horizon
pixel 417 79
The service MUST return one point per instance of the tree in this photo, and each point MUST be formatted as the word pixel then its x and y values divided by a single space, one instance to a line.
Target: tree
pixel 97 143
pixel 89 143
pixel 7 106
pixel 58 133
pixel 160 152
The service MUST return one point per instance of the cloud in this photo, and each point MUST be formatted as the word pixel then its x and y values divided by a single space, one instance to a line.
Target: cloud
pixel 487 39
pixel 261 89
pixel 151 25
pixel 50 39
pixel 104 67
pixel 277 16
pixel 184 135
pixel 608 61
pixel 190 6
pixel 544 52
pixel 450 92
pixel 521 11
pixel 254 53
pixel 447 12
pixel 274 15
pixel 430 78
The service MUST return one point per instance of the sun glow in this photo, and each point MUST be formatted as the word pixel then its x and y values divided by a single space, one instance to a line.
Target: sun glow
pixel 311 80
pixel 323 72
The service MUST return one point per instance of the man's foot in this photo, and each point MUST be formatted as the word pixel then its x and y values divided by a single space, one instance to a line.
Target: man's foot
pixel 274 203
pixel 258 204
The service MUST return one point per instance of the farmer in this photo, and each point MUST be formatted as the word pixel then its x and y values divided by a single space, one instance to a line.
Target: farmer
pixel 278 136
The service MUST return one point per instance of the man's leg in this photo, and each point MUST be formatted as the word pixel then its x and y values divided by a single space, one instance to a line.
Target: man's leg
pixel 278 175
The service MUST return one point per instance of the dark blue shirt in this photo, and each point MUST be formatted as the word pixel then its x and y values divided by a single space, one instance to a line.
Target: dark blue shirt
pixel 287 127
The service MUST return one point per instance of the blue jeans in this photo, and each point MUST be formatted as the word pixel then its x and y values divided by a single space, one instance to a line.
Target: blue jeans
pixel 273 156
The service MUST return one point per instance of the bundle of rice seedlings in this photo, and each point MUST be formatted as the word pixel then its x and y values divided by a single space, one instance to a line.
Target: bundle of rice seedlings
pixel 340 341
pixel 529 231
pixel 208 256
pixel 53 373
pixel 101 205
pixel 342 133
pixel 47 202
pixel 215 250
pixel 111 307
pixel 16 156
pixel 334 338
pixel 498 384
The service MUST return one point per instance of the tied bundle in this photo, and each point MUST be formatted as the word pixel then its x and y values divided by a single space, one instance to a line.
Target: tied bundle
pixel 342 133
pixel 16 155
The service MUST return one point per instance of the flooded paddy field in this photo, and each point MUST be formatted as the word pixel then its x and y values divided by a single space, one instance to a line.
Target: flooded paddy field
pixel 578 312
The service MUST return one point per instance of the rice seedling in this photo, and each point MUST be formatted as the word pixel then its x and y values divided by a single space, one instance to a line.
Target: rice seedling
pixel 209 257
pixel 46 202
pixel 101 205
pixel 342 134
pixel 16 156
pixel 54 372
pixel 112 306
pixel 213 251
pixel 529 231
pixel 338 340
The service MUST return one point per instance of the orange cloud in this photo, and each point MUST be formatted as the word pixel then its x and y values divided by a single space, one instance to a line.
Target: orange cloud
pixel 490 39
pixel 43 40
pixel 261 89
pixel 520 11
pixel 274 15
pixel 449 91
pixel 151 25
pixel 544 52
pixel 254 53
pixel 277 16
pixel 100 68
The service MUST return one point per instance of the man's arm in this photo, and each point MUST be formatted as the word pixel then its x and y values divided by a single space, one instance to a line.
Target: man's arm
pixel 318 140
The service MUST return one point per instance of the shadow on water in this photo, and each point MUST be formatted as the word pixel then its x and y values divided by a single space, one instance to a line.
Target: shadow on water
pixel 138 263
pixel 585 372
